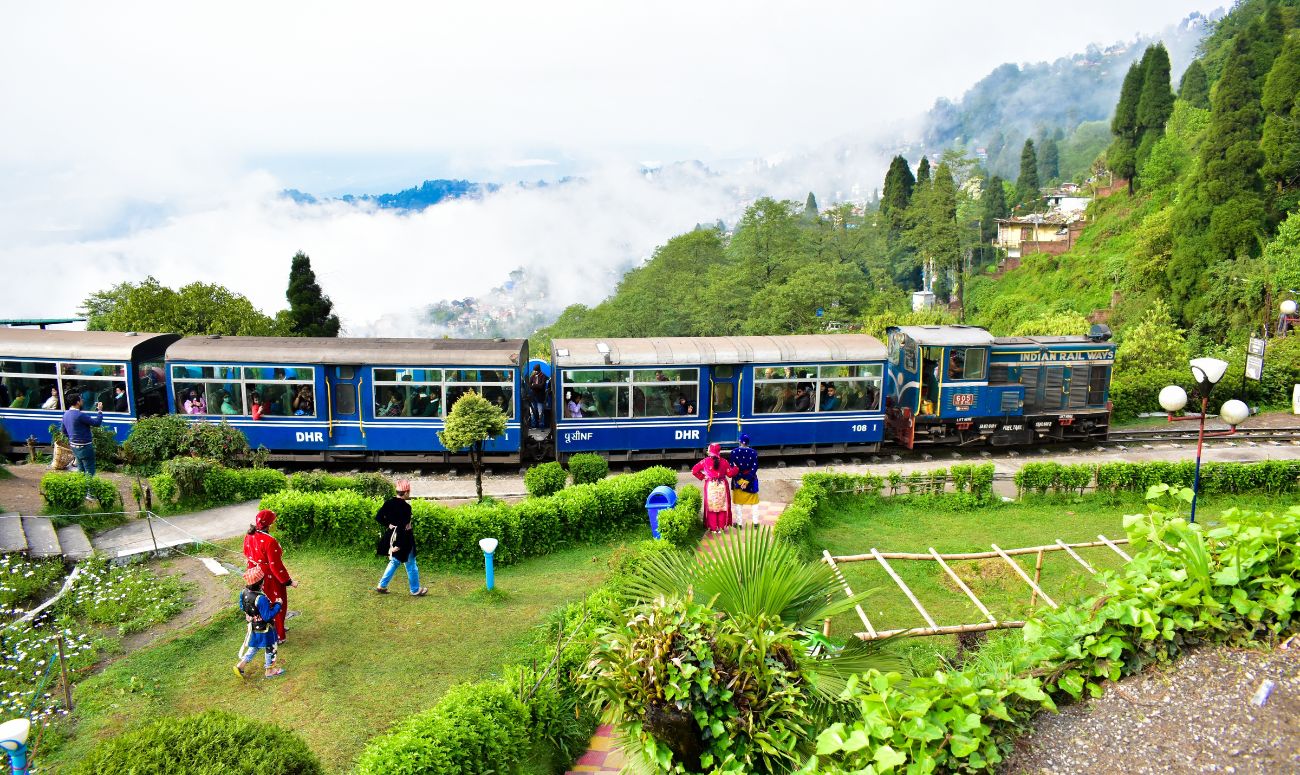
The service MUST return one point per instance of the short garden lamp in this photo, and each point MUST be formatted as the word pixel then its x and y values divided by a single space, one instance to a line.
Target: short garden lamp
pixel 1207 372
pixel 13 739
pixel 489 546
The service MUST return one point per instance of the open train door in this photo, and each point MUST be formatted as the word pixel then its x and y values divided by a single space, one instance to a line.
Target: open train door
pixel 900 425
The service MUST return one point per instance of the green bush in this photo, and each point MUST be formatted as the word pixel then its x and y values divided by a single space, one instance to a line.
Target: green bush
pixel 545 479
pixel 474 728
pixel 65 492
pixel 1135 392
pixel 190 474
pixel 681 525
pixel 211 742
pixel 218 441
pixel 371 485
pixel 153 440
pixel 533 528
pixel 194 482
pixel 105 442
pixel 22 580
pixel 588 468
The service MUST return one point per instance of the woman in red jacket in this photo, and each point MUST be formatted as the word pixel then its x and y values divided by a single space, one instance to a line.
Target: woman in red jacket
pixel 263 551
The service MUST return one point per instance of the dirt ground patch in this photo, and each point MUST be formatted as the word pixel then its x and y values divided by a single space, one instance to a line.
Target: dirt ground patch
pixel 22 491
pixel 209 595
pixel 1194 716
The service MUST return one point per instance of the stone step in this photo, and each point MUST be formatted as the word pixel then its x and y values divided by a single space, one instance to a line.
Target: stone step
pixel 12 537
pixel 75 543
pixel 42 541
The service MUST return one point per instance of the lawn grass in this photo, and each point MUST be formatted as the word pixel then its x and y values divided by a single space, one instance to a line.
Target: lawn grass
pixel 856 525
pixel 356 662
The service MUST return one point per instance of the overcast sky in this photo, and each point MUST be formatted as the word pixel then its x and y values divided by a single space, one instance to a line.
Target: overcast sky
pixel 120 119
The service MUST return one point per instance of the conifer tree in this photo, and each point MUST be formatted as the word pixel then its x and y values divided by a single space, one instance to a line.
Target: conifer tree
pixel 923 173
pixel 810 208
pixel 1264 39
pixel 1049 162
pixel 993 205
pixel 896 198
pixel 1194 88
pixel 1027 192
pixel 1281 135
pixel 1155 103
pixel 310 310
pixel 1222 216
pixel 1122 155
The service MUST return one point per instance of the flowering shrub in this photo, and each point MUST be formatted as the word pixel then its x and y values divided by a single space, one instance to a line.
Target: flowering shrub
pixel 21 579
pixel 131 597
pixel 27 670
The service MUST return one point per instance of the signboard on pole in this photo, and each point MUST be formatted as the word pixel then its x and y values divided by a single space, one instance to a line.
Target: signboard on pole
pixel 1255 359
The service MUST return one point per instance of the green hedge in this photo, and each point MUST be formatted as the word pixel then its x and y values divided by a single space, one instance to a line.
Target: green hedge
pixel 535 527
pixel 588 468
pixel 195 482
pixel 545 479
pixel 682 525
pixel 369 484
pixel 211 742
pixel 65 491
pixel 1269 476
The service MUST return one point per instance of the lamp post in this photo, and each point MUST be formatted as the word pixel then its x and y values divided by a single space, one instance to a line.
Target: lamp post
pixel 488 545
pixel 13 739
pixel 1207 372
pixel 1289 319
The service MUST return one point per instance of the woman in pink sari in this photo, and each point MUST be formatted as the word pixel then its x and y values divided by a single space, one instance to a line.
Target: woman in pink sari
pixel 714 471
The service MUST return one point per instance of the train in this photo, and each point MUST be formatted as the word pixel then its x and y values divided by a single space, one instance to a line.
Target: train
pixel 382 400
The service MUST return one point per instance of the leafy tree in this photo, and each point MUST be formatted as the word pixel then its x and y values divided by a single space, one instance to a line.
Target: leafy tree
pixel 1222 215
pixel 1154 344
pixel 767 238
pixel 1194 88
pixel 1122 154
pixel 197 309
pixel 1049 163
pixel 897 197
pixel 1281 135
pixel 1027 193
pixel 1053 324
pixel 473 420
pixel 1263 39
pixel 791 307
pixel 310 310
pixel 810 212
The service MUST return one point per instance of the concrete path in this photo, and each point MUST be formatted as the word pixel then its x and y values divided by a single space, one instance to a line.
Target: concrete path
pixel 208 525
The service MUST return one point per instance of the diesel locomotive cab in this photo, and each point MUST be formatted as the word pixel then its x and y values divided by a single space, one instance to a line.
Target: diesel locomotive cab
pixel 960 385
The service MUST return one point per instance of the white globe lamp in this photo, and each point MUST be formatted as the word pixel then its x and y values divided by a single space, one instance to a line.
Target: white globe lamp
pixel 1234 412
pixel 1173 398
pixel 1288 307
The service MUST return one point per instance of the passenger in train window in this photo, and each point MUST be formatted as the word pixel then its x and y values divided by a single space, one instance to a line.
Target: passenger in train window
pixel 194 403
pixel 228 404
pixel 53 401
pixel 956 364
pixel 256 402
pixel 572 409
pixel 830 401
pixel 303 403
pixel 392 407
pixel 802 399
pixel 120 402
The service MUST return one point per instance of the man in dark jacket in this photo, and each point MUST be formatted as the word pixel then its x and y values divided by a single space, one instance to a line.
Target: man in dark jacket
pixel 76 426
pixel 397 541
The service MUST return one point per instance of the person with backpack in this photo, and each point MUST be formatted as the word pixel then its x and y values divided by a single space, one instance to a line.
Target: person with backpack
pixel 261 613
pixel 263 551
pixel 537 386
pixel 397 540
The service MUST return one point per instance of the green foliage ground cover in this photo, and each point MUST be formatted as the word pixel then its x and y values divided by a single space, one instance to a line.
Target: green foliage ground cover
pixel 357 662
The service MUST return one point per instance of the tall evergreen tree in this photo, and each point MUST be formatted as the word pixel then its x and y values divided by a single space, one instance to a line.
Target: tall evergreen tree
pixel 1027 193
pixel 1281 136
pixel 1155 103
pixel 1222 216
pixel 311 313
pixel 1194 88
pixel 1049 162
pixel 993 205
pixel 1264 39
pixel 923 172
pixel 896 198
pixel 810 212
pixel 935 233
pixel 1121 157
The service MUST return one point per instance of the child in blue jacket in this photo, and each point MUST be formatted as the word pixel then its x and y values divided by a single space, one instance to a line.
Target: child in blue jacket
pixel 260 613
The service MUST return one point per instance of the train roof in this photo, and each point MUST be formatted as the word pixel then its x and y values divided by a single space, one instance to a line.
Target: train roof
pixel 342 351
pixel 57 344
pixel 1049 340
pixel 946 335
pixel 704 350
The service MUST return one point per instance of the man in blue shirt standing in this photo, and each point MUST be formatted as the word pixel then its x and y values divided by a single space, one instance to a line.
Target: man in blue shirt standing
pixel 77 425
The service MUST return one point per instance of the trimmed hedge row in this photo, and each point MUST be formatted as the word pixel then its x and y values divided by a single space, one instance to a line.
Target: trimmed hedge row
pixel 369 484
pixel 1269 476
pixel 66 491
pixel 194 482
pixel 681 525
pixel 534 717
pixel 534 527
pixel 545 479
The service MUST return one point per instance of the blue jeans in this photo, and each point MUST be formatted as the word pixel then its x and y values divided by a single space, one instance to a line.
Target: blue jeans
pixel 538 412
pixel 85 456
pixel 412 573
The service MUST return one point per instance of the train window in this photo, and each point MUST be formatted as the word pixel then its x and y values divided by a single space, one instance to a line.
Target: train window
pixel 279 374
pixel 724 372
pixel 1096 385
pixel 838 388
pixel 966 363
pixel 896 348
pixel 665 375
pixel 93 369
pixel 724 395
pixel 609 401
pixel 345 372
pixel 665 392
pixel 27 367
pixel 345 397
pixel 33 384
pixel 593 376
pixel 228 390
pixel 25 385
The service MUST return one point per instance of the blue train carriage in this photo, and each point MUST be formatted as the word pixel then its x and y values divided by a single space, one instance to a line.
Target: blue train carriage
pixel 640 399
pixel 38 369
pixel 380 400
pixel 960 385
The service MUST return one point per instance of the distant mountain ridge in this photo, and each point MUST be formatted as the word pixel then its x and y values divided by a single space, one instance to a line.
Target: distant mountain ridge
pixel 415 199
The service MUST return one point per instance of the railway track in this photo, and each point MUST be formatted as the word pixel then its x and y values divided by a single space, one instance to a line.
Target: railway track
pixel 1256 435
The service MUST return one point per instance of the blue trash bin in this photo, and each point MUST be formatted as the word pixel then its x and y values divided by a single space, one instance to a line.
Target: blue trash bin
pixel 662 497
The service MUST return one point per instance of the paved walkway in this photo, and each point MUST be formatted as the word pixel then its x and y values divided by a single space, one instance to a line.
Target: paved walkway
pixel 603 756
pixel 209 525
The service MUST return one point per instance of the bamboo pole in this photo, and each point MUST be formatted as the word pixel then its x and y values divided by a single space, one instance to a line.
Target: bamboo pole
pixel 1021 571
pixel 953 575
pixel 1038 575
pixel 979 555
pixel 1118 550
pixel 906 591
pixel 945 630
pixel 849 592
pixel 1076 557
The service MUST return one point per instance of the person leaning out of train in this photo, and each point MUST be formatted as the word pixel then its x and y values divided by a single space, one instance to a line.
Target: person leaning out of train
pixel 120 403
pixel 53 401
pixel 258 410
pixel 76 426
